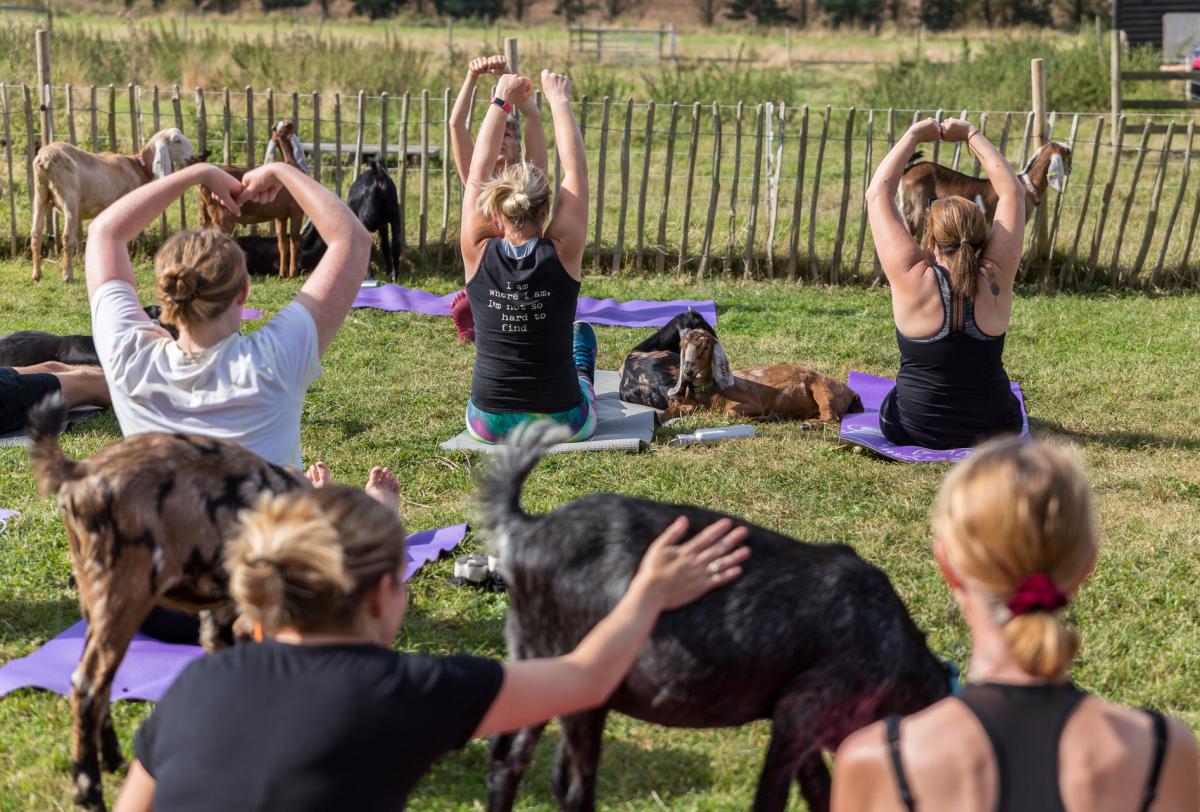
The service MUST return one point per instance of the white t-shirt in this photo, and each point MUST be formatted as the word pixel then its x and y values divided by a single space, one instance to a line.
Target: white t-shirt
pixel 247 388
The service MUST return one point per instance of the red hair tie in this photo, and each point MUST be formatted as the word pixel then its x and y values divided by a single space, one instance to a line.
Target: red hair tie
pixel 1036 593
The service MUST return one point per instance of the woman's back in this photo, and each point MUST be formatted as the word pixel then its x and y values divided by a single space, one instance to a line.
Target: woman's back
pixel 1045 748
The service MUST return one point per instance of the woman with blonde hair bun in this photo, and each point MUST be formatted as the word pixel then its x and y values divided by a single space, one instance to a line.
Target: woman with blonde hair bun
pixel 1015 537
pixel 952 299
pixel 324 714
pixel 532 359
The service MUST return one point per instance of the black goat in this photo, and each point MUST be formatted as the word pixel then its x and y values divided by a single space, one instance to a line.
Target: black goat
pixel 810 637
pixel 27 348
pixel 374 200
pixel 262 254
pixel 652 367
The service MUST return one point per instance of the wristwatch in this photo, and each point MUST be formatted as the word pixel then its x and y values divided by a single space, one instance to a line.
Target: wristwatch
pixel 502 104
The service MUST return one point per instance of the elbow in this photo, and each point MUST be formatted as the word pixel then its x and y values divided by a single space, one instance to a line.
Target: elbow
pixel 360 239
pixel 876 192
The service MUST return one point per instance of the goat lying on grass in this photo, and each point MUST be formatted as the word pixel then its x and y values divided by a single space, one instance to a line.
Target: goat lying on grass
pixel 81 185
pixel 652 367
pixel 810 636
pixel 146 522
pixel 26 348
pixel 779 391
pixel 283 211
pixel 374 200
pixel 924 182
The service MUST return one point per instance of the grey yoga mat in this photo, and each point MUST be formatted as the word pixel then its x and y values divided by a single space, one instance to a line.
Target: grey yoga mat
pixel 21 438
pixel 620 426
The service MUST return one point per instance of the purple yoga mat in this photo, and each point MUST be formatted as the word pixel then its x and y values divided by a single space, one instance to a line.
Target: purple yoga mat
pixel 863 428
pixel 150 666
pixel 634 313
pixel 5 515
pixel 249 313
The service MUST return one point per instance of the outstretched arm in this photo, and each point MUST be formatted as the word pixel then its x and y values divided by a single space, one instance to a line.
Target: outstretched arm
pixel 332 286
pixel 461 143
pixel 477 229
pixel 898 252
pixel 107 254
pixel 568 229
pixel 671 575
pixel 536 151
pixel 1002 256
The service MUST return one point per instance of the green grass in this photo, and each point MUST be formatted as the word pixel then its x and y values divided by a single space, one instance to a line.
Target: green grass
pixel 1108 372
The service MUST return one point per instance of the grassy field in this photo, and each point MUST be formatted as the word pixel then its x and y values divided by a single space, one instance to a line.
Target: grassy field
pixel 1106 372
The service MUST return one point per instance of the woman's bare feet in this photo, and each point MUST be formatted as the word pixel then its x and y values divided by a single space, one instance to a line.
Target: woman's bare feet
pixel 384 488
pixel 318 475
pixel 460 314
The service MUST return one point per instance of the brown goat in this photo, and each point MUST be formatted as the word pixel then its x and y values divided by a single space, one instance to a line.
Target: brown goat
pixel 81 184
pixel 284 211
pixel 146 520
pixel 924 182
pixel 776 392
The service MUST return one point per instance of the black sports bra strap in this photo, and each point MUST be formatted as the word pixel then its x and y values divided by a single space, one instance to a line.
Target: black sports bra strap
pixel 892 724
pixel 1160 752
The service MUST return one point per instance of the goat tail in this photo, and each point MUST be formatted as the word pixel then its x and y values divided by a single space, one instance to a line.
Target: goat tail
pixel 51 467
pixel 916 158
pixel 500 484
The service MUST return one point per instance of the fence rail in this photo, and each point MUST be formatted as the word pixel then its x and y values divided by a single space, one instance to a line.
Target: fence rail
pixel 767 190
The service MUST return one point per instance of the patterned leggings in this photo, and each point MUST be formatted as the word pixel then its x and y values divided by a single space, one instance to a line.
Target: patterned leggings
pixel 492 428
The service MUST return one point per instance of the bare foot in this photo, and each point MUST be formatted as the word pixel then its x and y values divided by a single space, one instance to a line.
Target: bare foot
pixel 318 475
pixel 384 488
pixel 460 314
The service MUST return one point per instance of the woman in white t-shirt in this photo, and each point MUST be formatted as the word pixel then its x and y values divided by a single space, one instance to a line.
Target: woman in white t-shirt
pixel 213 380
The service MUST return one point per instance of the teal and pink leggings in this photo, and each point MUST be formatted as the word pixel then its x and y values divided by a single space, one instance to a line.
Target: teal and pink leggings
pixel 492 427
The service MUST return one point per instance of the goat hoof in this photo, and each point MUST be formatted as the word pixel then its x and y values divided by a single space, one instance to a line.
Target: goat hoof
pixel 111 758
pixel 88 794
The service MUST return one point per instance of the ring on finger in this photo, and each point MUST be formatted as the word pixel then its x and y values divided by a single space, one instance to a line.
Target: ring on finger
pixel 714 567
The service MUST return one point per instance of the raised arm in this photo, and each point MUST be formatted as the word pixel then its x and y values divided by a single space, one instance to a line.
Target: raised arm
pixel 671 575
pixel 902 259
pixel 332 286
pixel 568 229
pixel 461 143
pixel 107 255
pixel 1002 256
pixel 477 229
pixel 536 151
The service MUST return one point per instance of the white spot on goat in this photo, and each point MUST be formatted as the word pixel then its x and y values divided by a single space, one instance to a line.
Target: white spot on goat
pixel 80 682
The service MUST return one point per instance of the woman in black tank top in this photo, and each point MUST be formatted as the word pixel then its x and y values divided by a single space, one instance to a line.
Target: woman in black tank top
pixel 531 359
pixel 951 300
pixel 1014 536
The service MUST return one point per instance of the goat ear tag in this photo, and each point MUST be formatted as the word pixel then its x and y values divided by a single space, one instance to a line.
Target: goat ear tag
pixel 1057 175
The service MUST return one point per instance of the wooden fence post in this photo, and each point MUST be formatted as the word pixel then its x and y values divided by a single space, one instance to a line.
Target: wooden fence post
pixel 714 192
pixel 30 139
pixel 112 118
pixel 403 186
pixel 1152 214
pixel 733 189
pixel 12 198
pixel 362 122
pixel 423 214
pixel 862 218
pixel 295 109
pixel 774 164
pixel 816 192
pixel 339 171
pixel 93 120
pixel 41 41
pixel 647 152
pixel 1105 200
pixel 177 112
pixel 156 122
pixel 798 194
pixel 1115 274
pixel 446 159
pixel 600 178
pixel 1004 134
pixel 271 108
pixel 70 93
pixel 835 268
pixel 661 248
pixel 316 135
pixel 1187 250
pixel 250 157
pixel 1037 72
pixel 755 180
pixel 1114 78
pixel 691 178
pixel 1058 202
pixel 1156 277
pixel 619 253
pixel 226 123
pixel 1069 269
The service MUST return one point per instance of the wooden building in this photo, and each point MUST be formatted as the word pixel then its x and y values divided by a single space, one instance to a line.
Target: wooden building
pixel 1141 20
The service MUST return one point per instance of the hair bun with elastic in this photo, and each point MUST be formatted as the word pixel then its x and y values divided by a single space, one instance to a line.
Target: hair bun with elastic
pixel 186 284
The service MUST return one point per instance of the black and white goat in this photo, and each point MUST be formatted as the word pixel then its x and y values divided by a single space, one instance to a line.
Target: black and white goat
pixel 374 200
pixel 811 636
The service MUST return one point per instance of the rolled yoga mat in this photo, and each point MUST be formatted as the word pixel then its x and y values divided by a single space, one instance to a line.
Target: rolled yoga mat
pixel 150 666
pixel 609 312
pixel 862 428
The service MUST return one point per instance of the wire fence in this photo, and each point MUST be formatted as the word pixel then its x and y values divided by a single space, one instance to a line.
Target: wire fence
pixel 759 190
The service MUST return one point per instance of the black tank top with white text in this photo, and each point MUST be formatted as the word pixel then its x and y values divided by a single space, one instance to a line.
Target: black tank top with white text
pixel 524 309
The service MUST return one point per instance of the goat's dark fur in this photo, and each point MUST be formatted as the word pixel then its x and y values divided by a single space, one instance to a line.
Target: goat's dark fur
pixel 652 367
pixel 146 521
pixel 262 254
pixel 27 348
pixel 374 200
pixel 810 636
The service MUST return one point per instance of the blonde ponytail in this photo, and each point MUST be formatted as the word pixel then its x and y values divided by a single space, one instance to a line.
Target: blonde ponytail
pixel 307 558
pixel 520 194
pixel 199 275
pixel 1016 522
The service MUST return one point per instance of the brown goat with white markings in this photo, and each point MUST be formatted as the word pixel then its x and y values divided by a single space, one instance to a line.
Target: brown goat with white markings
pixel 924 182
pixel 776 392
pixel 81 184
pixel 147 520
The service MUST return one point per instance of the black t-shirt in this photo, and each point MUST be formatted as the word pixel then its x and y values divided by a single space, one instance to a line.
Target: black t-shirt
pixel 285 727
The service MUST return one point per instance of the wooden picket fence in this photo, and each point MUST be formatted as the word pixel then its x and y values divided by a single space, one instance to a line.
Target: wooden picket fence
pixel 757 190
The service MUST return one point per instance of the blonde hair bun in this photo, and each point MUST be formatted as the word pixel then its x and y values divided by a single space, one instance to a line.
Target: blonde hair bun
pixel 520 194
pixel 199 275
